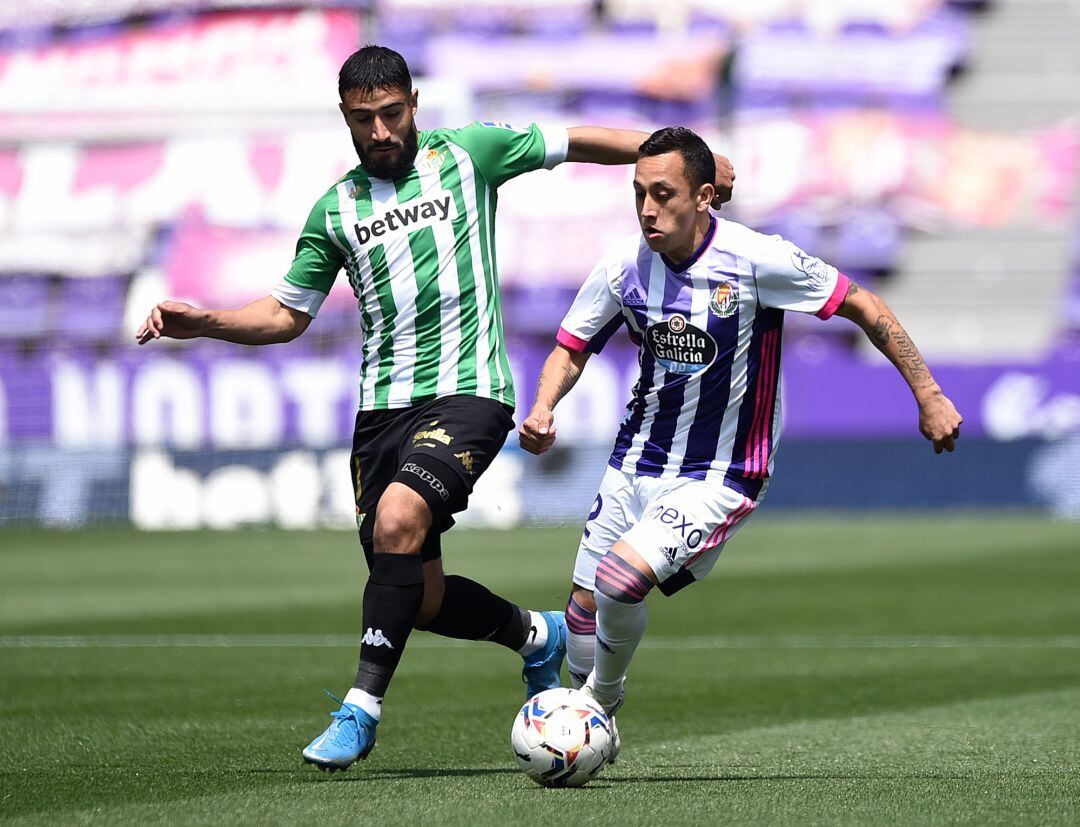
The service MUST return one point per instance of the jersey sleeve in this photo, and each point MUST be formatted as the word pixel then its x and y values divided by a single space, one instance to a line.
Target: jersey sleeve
pixel 314 267
pixel 503 152
pixel 789 279
pixel 596 312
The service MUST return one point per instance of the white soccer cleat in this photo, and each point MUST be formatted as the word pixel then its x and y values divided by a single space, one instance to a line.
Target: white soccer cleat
pixel 610 710
pixel 616 741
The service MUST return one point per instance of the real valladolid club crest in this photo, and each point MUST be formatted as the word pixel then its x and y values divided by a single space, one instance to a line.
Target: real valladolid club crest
pixel 724 300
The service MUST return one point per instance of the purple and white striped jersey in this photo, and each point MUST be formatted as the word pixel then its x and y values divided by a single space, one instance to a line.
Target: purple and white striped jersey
pixel 707 403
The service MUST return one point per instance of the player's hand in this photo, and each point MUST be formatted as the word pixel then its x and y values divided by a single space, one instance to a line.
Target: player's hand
pixel 939 422
pixel 537 433
pixel 725 181
pixel 174 320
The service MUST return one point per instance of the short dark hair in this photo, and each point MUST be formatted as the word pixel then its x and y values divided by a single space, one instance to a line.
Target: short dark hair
pixel 372 68
pixel 696 155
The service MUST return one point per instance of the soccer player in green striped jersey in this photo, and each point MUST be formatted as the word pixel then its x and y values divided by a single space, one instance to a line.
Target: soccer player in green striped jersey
pixel 413 227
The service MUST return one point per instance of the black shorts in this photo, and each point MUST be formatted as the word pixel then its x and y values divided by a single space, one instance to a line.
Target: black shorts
pixel 437 448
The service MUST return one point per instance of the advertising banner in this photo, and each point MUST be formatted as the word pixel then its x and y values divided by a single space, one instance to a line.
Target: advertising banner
pixel 210 395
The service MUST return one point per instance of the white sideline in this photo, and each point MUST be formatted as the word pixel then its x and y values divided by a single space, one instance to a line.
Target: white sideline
pixel 430 642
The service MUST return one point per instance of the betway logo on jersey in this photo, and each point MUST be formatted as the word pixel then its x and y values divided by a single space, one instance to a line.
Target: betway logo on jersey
pixel 407 218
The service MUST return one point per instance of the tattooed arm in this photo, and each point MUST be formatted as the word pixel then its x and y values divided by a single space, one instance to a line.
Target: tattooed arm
pixel 939 421
pixel 560 372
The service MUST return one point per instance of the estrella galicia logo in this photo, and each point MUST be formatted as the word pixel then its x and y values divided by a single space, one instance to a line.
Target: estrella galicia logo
pixel 680 347
pixel 724 300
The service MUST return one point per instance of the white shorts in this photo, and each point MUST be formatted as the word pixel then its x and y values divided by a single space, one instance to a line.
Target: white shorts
pixel 678 525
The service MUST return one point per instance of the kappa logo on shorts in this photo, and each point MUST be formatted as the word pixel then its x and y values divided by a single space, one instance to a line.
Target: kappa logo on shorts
pixel 432 435
pixel 466 460
pixel 433 482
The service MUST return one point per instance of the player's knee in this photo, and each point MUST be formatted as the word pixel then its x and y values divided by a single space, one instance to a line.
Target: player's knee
pixel 581 611
pixel 402 520
pixel 620 581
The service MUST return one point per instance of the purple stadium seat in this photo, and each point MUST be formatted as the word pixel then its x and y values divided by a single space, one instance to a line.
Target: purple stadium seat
pixel 91 308
pixel 535 309
pixel 1072 302
pixel 801 229
pixel 867 239
pixel 24 306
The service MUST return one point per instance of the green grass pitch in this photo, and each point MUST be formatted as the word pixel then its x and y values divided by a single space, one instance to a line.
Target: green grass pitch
pixel 846 670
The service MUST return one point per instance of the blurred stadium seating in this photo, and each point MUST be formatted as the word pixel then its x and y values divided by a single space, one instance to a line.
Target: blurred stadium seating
pixel 154 148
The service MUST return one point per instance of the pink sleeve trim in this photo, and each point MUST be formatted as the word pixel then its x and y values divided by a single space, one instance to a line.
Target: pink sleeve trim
pixel 567 339
pixel 837 298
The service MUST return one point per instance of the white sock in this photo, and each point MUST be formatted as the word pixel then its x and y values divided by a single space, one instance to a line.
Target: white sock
pixel 536 636
pixel 619 629
pixel 579 657
pixel 371 704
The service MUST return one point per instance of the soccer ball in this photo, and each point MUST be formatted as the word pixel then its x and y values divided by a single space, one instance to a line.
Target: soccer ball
pixel 561 738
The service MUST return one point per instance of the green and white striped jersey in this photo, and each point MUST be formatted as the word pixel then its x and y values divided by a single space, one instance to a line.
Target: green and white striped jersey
pixel 420 256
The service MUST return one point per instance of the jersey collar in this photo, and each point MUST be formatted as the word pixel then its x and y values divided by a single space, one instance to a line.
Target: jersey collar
pixel 685 265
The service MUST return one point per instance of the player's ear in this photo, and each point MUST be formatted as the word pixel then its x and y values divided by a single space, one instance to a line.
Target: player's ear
pixel 705 194
pixel 412 101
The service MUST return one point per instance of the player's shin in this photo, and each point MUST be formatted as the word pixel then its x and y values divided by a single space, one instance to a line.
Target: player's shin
pixel 580 641
pixel 392 600
pixel 470 611
pixel 621 618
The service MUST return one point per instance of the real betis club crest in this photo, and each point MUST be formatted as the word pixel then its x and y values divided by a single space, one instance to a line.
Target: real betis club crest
pixel 724 300
pixel 432 160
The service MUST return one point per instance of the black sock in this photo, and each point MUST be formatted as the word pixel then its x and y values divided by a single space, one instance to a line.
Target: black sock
pixel 392 600
pixel 472 612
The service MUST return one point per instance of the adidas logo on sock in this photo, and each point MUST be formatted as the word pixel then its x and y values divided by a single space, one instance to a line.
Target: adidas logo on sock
pixel 376 638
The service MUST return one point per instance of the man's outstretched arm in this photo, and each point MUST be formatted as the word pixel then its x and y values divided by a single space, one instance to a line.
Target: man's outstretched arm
pixel 559 374
pixel 262 322
pixel 939 421
pixel 598 145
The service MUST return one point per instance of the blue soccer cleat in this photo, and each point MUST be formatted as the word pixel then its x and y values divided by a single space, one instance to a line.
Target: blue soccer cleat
pixel 349 738
pixel 543 666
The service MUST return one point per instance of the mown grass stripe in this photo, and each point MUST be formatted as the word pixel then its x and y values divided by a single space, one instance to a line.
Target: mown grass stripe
pixel 667 643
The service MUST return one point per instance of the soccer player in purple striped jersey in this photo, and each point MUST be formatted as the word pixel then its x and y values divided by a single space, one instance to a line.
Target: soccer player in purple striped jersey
pixel 705 300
